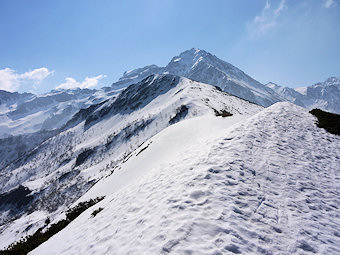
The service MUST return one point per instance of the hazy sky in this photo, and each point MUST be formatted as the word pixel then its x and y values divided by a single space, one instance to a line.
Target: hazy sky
pixel 63 43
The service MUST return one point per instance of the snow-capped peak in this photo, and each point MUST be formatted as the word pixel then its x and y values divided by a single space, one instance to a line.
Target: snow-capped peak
pixel 202 66
pixel 184 62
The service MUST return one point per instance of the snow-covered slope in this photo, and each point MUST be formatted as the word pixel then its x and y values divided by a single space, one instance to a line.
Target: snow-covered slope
pixel 324 95
pixel 97 140
pixel 27 113
pixel 26 120
pixel 202 66
pixel 265 185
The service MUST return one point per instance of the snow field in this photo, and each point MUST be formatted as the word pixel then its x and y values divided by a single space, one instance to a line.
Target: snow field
pixel 266 185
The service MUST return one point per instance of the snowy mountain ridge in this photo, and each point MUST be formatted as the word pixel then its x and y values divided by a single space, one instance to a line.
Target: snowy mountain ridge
pixel 97 140
pixel 260 185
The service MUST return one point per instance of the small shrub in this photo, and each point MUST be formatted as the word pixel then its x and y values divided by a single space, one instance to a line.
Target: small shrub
pixel 218 88
pixel 18 197
pixel 222 113
pixel 181 112
pixel 83 156
pixel 95 212
pixel 47 221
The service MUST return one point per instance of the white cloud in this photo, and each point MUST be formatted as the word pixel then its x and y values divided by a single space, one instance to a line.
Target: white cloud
pixel 89 82
pixel 280 8
pixel 37 74
pixel 267 20
pixel 329 3
pixel 11 80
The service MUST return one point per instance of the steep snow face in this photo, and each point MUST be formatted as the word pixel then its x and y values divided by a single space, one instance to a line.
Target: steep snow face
pixel 99 138
pixel 323 95
pixel 267 184
pixel 202 66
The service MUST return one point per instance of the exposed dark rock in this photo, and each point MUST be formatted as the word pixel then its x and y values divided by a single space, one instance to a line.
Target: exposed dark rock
pixel 327 120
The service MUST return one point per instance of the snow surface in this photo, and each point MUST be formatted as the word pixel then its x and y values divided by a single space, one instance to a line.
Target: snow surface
pixel 268 184
pixel 168 147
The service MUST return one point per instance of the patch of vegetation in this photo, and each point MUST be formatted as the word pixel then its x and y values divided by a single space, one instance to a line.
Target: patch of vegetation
pixel 95 212
pixel 110 139
pixel 17 197
pixel 218 88
pixel 142 150
pixel 65 161
pixel 327 120
pixel 181 112
pixel 83 156
pixel 222 113
pixel 29 243
pixel 84 114
pixel 68 175
pixel 135 128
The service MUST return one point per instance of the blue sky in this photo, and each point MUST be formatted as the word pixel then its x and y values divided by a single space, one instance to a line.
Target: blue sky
pixel 49 44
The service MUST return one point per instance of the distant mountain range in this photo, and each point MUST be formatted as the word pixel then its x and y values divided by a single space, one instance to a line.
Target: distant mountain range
pixel 28 113
pixel 323 95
